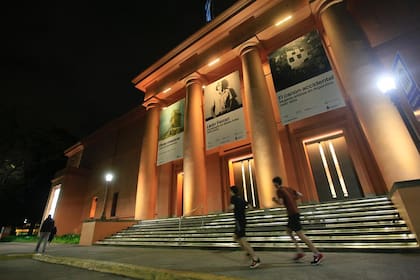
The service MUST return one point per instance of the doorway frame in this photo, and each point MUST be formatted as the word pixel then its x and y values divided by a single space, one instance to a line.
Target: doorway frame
pixel 366 168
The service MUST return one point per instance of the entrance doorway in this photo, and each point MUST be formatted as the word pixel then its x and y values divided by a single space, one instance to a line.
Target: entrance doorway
pixel 332 168
pixel 243 172
pixel 179 195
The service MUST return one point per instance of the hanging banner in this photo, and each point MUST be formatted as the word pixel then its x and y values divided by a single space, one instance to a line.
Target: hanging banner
pixel 223 111
pixel 171 133
pixel 303 79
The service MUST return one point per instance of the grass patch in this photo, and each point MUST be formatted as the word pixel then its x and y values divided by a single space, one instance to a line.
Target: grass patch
pixel 67 239
pixel 20 238
pixel 63 239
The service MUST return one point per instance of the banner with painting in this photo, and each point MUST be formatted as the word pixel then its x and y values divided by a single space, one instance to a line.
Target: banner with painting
pixel 171 133
pixel 223 111
pixel 303 79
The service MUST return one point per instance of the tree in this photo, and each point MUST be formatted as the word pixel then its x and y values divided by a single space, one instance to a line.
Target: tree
pixel 29 158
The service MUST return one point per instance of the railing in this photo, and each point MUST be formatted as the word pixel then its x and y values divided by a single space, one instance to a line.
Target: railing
pixel 183 216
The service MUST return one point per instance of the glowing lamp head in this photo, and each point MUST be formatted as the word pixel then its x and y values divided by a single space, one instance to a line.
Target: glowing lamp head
pixel 109 177
pixel 386 83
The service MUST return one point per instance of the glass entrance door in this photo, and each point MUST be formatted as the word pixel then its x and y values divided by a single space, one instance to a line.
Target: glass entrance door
pixel 333 169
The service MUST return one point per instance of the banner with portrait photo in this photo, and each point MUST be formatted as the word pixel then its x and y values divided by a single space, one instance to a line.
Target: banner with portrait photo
pixel 303 79
pixel 223 111
pixel 171 133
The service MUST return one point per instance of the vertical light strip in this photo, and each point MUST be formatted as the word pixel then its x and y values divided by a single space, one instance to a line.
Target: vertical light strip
pixel 327 170
pixel 337 167
pixel 244 181
pixel 254 203
pixel 56 193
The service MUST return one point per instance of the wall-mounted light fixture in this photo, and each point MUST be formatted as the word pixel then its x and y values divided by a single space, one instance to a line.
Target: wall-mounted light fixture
pixel 211 63
pixel 280 22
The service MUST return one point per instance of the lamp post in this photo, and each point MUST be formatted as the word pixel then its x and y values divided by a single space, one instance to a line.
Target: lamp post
pixel 108 180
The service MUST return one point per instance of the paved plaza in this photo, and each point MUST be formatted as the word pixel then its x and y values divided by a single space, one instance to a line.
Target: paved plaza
pixel 108 262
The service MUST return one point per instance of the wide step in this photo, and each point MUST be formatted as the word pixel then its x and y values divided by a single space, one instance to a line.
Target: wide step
pixel 361 224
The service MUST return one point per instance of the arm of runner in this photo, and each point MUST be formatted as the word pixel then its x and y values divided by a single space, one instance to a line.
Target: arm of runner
pixel 276 200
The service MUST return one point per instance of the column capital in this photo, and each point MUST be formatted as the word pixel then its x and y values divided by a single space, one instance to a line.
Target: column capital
pixel 154 102
pixel 194 78
pixel 252 43
pixel 319 6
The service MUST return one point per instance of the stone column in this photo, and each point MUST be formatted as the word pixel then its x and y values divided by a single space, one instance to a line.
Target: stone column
pixel 265 140
pixel 195 183
pixel 388 137
pixel 147 177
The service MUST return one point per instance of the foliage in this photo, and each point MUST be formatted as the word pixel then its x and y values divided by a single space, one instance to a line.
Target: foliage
pixel 21 238
pixel 29 159
pixel 67 239
pixel 63 239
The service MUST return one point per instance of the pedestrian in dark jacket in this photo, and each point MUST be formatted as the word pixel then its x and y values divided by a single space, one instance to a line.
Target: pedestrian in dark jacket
pixel 44 233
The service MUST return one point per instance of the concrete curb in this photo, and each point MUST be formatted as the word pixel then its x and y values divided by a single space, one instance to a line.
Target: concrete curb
pixel 129 270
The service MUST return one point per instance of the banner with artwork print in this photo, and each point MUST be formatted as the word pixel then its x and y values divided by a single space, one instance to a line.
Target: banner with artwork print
pixel 171 133
pixel 223 111
pixel 303 79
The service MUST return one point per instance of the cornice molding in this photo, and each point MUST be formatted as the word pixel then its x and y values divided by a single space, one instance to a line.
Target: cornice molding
pixel 74 149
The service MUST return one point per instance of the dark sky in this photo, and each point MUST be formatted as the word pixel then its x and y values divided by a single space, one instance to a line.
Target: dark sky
pixel 70 64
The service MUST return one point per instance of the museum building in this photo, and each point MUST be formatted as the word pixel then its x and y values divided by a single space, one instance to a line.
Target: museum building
pixel 287 88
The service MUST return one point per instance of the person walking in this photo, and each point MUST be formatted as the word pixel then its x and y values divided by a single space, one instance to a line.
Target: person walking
pixel 44 233
pixel 289 197
pixel 239 204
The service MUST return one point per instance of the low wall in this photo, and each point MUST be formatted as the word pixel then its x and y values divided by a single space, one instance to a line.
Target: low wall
pixel 94 230
pixel 406 196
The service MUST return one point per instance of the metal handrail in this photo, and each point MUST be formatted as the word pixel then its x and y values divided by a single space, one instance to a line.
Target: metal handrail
pixel 183 216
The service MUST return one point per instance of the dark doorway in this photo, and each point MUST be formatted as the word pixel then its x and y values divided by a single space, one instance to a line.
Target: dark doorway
pixel 114 204
pixel 244 176
pixel 333 169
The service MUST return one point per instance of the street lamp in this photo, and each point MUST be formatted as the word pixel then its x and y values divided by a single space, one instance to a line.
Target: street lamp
pixel 108 180
pixel 386 84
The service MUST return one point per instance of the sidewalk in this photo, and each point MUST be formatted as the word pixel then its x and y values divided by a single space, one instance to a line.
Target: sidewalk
pixel 137 262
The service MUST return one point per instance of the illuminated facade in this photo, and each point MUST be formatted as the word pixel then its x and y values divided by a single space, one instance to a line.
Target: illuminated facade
pixel 268 88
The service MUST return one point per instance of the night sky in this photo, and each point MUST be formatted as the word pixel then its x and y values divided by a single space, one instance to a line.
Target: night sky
pixel 66 69
pixel 70 64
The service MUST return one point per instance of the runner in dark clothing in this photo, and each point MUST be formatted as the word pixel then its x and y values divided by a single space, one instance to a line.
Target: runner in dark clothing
pixel 239 204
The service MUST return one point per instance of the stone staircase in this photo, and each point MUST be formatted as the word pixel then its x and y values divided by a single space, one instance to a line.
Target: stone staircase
pixel 367 224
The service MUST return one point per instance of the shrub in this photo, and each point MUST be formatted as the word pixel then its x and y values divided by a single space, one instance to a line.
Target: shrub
pixel 67 239
pixel 62 239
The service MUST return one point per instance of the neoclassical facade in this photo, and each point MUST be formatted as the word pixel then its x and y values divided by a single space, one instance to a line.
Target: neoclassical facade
pixel 268 88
